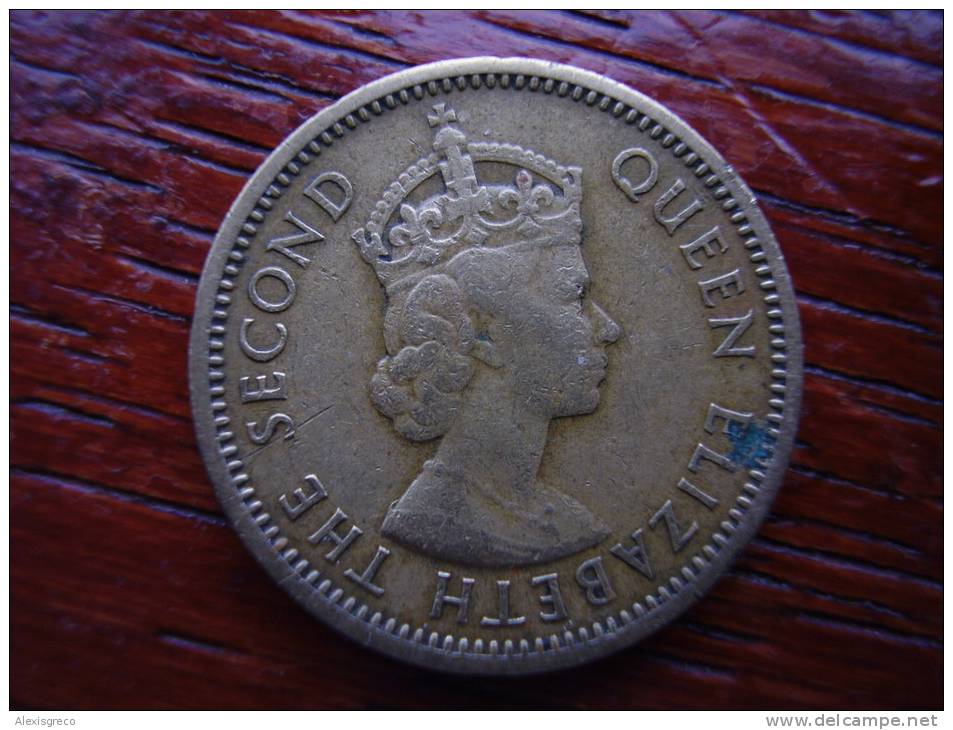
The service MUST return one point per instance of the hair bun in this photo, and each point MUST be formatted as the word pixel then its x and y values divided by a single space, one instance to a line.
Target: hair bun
pixel 420 387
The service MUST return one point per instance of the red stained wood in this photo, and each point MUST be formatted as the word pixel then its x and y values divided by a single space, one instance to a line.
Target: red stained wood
pixel 912 33
pixel 131 133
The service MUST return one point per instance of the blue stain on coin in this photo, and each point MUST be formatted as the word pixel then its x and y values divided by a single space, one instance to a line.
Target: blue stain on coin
pixel 750 444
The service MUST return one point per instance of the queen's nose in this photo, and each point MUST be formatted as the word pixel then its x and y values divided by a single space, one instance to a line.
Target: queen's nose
pixel 604 328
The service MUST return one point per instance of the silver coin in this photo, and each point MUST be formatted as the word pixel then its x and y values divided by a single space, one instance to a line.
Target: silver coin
pixel 495 365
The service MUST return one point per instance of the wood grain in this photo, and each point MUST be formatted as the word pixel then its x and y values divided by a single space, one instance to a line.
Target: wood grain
pixel 131 133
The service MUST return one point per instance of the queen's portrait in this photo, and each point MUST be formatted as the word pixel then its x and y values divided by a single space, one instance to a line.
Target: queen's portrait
pixel 490 334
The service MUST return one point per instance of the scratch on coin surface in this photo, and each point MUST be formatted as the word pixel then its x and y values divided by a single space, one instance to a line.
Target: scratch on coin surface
pixel 305 422
pixel 310 418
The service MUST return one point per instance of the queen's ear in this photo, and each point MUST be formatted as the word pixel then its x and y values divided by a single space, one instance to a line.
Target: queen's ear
pixel 485 348
pixel 486 351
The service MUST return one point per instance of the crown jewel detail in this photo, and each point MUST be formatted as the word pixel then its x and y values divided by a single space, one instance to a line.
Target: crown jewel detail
pixel 403 241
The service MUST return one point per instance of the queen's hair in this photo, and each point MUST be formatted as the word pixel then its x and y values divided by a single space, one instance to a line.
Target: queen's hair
pixel 420 386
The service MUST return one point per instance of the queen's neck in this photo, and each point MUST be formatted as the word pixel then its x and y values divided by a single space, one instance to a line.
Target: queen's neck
pixel 495 441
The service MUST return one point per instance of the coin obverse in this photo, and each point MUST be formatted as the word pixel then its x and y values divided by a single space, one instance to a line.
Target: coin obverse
pixel 495 365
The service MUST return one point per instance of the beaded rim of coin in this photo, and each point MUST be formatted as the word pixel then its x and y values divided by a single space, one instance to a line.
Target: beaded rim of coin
pixel 224 464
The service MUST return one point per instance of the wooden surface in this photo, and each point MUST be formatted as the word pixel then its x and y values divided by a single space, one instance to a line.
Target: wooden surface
pixel 131 135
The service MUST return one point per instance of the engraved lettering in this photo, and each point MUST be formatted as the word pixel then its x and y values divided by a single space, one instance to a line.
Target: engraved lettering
pixel 727 415
pixel 264 435
pixel 552 597
pixel 366 579
pixel 696 493
pixel 678 538
pixel 703 452
pixel 672 223
pixel 284 244
pixel 739 327
pixel 625 184
pixel 333 180
pixel 249 394
pixel 253 352
pixel 272 272
pixel 504 618
pixel 635 556
pixel 703 243
pixel 301 501
pixel 723 285
pixel 591 575
pixel 462 602
pixel 327 533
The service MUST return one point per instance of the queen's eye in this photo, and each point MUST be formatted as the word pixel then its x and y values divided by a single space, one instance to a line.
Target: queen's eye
pixel 569 272
pixel 573 289
pixel 582 287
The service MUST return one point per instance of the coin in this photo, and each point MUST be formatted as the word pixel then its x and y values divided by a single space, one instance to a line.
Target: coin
pixel 495 365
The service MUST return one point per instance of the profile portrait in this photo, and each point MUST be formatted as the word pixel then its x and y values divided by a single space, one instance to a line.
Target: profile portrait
pixel 490 333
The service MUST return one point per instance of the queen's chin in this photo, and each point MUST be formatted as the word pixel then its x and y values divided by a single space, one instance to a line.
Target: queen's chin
pixel 585 400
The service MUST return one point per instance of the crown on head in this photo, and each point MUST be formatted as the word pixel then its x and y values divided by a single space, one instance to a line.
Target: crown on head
pixel 404 242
